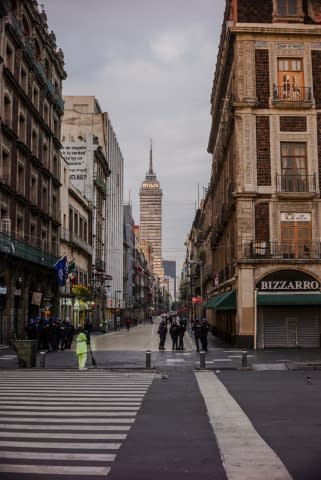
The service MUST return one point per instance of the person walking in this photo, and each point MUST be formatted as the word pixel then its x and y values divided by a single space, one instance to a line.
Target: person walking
pixel 162 331
pixel 81 349
pixel 128 324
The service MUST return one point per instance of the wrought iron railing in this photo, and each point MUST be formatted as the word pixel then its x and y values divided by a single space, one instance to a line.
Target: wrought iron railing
pixel 288 93
pixel 18 248
pixel 296 183
pixel 281 250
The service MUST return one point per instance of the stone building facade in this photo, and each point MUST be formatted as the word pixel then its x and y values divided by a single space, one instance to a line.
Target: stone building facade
pixel 150 195
pixel 259 225
pixel 104 165
pixel 31 108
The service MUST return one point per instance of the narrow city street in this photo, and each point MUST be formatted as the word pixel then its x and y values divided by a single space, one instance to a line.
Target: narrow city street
pixel 172 420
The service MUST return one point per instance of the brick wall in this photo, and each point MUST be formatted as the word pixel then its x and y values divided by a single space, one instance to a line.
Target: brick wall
pixel 316 73
pixel 319 146
pixel 263 150
pixel 262 78
pixel 249 11
pixel 262 224
pixel 293 124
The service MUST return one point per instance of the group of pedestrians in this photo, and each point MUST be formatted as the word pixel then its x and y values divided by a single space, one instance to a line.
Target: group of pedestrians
pixel 51 334
pixel 177 331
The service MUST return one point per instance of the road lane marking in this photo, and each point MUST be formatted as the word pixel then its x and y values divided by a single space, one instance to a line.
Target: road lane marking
pixel 61 445
pixel 78 428
pixel 54 470
pixel 38 420
pixel 245 455
pixel 91 457
pixel 66 436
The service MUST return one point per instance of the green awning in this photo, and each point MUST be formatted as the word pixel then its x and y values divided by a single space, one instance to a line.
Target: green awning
pixel 225 301
pixel 274 299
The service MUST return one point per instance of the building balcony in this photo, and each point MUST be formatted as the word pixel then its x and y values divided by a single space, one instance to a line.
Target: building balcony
pixel 296 184
pixel 287 95
pixel 261 250
pixel 18 248
pixel 80 242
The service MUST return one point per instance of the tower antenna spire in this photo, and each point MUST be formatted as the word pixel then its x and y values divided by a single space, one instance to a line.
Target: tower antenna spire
pixel 151 158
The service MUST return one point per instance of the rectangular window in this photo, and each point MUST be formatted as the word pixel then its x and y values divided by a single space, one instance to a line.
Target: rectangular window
pixel 290 79
pixel 287 7
pixel 296 239
pixel 294 167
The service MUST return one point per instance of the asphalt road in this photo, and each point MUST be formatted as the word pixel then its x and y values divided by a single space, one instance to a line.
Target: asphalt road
pixel 223 422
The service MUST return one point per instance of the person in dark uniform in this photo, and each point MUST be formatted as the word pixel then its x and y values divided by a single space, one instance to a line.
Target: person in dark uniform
pixel 174 332
pixel 181 333
pixel 162 331
pixel 204 332
pixel 197 329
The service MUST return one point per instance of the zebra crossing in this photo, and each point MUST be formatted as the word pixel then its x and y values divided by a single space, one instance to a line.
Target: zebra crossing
pixel 66 423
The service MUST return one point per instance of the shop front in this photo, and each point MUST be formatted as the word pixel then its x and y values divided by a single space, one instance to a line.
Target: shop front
pixel 288 310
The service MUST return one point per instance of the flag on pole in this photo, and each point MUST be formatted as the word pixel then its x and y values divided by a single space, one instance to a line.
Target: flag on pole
pixel 72 271
pixel 61 269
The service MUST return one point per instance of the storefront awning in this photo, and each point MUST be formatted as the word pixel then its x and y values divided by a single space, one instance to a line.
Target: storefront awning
pixel 225 301
pixel 274 299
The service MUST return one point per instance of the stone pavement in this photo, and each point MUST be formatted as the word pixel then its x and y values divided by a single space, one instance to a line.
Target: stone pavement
pixel 127 349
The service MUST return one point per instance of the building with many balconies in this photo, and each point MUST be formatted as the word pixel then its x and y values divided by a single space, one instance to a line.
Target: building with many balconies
pixel 259 224
pixel 31 107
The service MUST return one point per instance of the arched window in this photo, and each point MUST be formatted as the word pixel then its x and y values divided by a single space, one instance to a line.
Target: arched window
pixel 37 50
pixel 34 143
pixel 22 127
pixel 7 108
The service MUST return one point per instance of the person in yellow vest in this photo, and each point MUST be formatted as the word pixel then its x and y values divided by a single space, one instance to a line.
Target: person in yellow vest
pixel 81 349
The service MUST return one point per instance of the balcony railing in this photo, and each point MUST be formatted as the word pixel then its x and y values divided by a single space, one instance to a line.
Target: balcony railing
pixel 281 250
pixel 296 183
pixel 288 93
pixel 80 242
pixel 20 249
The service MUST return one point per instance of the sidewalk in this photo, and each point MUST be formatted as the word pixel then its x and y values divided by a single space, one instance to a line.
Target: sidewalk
pixel 127 350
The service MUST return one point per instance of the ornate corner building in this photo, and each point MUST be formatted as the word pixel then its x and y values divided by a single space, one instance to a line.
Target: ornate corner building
pixel 259 223
pixel 31 108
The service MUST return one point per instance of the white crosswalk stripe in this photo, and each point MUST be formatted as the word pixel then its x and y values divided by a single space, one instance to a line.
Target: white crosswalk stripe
pixel 66 423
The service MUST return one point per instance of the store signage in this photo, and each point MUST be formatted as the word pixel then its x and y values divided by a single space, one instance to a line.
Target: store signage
pixel 295 217
pixel 288 281
pixel 196 300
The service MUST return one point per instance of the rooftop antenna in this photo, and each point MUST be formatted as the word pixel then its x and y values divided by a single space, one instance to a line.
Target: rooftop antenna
pixel 151 158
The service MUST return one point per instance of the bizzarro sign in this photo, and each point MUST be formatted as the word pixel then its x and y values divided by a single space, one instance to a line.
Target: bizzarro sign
pixel 288 281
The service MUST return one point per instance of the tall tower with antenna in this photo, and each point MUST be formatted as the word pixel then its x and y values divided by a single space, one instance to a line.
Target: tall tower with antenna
pixel 151 215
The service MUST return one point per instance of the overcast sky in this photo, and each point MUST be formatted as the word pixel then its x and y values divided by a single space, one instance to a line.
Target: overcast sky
pixel 150 63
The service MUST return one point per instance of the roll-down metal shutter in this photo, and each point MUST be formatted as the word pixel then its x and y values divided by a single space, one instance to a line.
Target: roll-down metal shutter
pixel 292 327
pixel 309 329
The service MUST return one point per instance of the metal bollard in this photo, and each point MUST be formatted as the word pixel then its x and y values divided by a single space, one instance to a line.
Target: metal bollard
pixel 148 358
pixel 42 359
pixel 202 359
pixel 244 359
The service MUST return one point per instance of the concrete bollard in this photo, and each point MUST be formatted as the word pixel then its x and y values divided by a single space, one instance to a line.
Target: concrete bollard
pixel 202 359
pixel 148 358
pixel 244 359
pixel 42 359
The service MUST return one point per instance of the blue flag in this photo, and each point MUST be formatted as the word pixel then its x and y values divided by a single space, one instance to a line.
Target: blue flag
pixel 61 269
